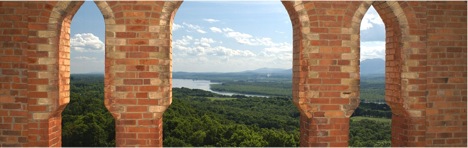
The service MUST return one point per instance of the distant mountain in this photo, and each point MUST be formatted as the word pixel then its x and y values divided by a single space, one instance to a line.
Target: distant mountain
pixel 270 70
pixel 372 66
pixel 368 67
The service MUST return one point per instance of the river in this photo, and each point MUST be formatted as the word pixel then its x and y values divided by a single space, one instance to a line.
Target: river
pixel 204 85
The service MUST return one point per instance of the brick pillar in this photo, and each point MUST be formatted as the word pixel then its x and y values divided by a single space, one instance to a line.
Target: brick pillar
pixel 138 69
pixel 326 73
pixel 324 131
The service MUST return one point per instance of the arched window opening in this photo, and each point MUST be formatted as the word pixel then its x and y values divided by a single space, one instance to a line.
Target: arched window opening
pixel 231 76
pixel 370 125
pixel 85 120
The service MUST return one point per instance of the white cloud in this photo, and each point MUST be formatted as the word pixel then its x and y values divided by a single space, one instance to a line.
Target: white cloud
pixel 211 20
pixel 190 47
pixel 201 53
pixel 194 27
pixel 216 30
pixel 242 38
pixel 85 58
pixel 205 42
pixel 176 27
pixel 370 19
pixel 224 51
pixel 227 30
pixel 201 31
pixel 86 42
pixel 265 41
pixel 371 50
pixel 279 48
pixel 247 39
pixel 182 43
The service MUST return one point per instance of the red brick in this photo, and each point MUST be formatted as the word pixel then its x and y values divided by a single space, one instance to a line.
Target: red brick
pixel 137 108
pixel 136 28
pixel 331 81
pixel 136 68
pixel 133 81
pixel 124 88
pixel 127 135
pixel 38 94
pixel 339 101
pixel 137 41
pixel 141 95
pixel 147 136
pixel 137 55
pixel 131 116
pixel 147 102
pixel 37 108
pixel 126 101
pixel 141 7
pixel 329 107
pixel 125 35
pixel 11 106
pixel 149 49
pixel 137 129
pixel 127 48
pixel 126 122
pixel 134 14
pixel 148 88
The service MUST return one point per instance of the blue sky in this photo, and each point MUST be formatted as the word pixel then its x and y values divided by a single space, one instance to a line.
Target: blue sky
pixel 216 36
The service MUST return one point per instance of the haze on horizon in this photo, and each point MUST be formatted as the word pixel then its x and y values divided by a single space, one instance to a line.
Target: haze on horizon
pixel 213 36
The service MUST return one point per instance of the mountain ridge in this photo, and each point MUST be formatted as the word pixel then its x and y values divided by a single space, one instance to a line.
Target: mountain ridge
pixel 368 67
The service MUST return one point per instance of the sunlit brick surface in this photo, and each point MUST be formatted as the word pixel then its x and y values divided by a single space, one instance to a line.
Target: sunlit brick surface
pixel 425 69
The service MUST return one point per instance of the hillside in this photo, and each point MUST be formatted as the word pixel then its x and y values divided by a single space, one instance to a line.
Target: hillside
pixel 372 67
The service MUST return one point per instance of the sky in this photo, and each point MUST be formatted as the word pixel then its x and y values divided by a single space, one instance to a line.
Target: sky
pixel 217 36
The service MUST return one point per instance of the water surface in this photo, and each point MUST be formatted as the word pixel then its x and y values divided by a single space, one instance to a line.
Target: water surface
pixel 204 85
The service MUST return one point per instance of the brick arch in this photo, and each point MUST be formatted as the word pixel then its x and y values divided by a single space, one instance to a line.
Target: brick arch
pixel 409 69
pixel 427 92
pixel 53 67
pixel 301 44
pixel 407 110
pixel 300 22
pixel 314 98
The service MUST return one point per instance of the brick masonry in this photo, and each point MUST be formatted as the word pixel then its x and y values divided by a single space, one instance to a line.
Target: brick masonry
pixel 425 77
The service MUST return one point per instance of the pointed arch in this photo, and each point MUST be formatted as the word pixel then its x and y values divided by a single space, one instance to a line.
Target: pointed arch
pixel 55 68
pixel 301 35
pixel 398 73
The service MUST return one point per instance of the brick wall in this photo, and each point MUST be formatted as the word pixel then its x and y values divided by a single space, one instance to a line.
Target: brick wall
pixel 13 74
pixel 446 77
pixel 425 70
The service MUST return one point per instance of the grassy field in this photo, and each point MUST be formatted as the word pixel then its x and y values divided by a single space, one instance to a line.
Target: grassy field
pixel 219 98
pixel 359 118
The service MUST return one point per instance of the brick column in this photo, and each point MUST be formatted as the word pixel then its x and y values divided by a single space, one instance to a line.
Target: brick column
pixel 138 69
pixel 326 73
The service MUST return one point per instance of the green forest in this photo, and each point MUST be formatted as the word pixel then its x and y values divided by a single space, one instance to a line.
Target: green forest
pixel 85 120
pixel 256 88
pixel 202 118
